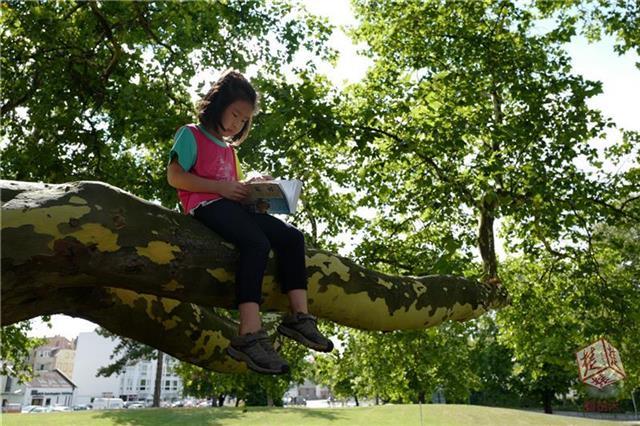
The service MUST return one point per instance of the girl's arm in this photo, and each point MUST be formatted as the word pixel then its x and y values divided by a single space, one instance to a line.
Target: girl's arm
pixel 179 179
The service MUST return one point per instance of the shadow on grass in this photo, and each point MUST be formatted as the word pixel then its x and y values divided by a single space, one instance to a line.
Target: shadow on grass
pixel 158 416
pixel 311 413
pixel 208 416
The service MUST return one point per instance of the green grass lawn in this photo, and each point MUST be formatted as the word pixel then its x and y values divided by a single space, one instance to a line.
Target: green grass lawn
pixel 369 416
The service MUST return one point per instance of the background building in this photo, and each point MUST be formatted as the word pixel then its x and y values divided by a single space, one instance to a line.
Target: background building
pixel 138 381
pixel 58 353
pixel 65 374
pixel 308 390
pixel 46 388
pixel 92 352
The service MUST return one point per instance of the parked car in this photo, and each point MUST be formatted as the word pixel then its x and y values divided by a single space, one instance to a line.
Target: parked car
pixel 297 400
pixel 107 403
pixel 27 408
pixel 12 407
pixel 135 405
pixel 40 409
pixel 60 408
pixel 80 407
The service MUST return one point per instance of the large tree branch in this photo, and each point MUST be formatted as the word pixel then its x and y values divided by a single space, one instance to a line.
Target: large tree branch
pixel 116 50
pixel 12 104
pixel 95 244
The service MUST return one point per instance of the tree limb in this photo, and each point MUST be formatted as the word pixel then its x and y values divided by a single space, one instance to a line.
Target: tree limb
pixel 91 250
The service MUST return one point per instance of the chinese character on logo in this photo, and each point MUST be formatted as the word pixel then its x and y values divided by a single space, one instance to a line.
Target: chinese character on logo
pixel 599 364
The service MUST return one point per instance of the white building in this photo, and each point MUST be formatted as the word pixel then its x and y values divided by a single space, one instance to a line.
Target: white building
pixel 46 388
pixel 135 384
pixel 93 352
pixel 138 381
pixel 308 390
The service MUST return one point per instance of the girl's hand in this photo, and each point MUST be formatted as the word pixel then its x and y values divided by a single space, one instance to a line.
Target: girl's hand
pixel 260 178
pixel 233 190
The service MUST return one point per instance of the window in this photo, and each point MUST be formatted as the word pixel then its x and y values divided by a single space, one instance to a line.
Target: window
pixel 167 385
pixel 143 385
pixel 175 385
pixel 7 386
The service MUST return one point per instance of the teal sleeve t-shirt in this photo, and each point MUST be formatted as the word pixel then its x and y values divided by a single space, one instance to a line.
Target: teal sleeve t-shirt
pixel 185 148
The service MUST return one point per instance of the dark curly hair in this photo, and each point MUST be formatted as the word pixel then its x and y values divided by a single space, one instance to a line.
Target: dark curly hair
pixel 230 87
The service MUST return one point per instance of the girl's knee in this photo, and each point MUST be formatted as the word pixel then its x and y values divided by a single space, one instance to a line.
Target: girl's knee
pixel 257 243
pixel 261 245
pixel 297 237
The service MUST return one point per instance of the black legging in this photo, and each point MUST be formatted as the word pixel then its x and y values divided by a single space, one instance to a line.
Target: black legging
pixel 254 234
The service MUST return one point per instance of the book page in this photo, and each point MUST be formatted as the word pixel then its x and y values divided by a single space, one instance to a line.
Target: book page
pixel 282 195
pixel 265 190
pixel 291 189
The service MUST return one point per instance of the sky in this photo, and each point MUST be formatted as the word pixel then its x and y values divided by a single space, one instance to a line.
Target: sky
pixel 594 61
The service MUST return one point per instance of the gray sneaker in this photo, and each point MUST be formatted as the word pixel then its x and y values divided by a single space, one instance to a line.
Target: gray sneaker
pixel 256 350
pixel 303 328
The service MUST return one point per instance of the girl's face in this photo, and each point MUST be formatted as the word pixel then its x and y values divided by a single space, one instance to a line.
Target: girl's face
pixel 235 117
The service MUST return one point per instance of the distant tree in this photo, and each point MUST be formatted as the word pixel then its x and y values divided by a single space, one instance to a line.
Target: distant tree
pixel 15 350
pixel 565 304
pixel 594 18
pixel 400 367
pixel 493 363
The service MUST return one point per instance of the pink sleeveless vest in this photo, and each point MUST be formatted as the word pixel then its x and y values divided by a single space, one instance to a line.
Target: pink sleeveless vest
pixel 212 162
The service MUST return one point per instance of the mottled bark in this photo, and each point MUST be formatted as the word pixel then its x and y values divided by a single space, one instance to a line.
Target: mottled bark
pixel 486 240
pixel 91 250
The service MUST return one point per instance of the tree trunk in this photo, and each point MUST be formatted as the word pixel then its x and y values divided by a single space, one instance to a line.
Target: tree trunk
pixel 158 386
pixel 221 400
pixel 486 238
pixel 547 398
pixel 90 250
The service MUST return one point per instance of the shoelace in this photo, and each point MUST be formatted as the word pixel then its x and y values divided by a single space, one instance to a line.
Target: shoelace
pixel 267 346
pixel 308 317
pixel 262 353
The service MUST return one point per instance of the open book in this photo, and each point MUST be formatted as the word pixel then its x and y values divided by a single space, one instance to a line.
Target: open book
pixel 280 195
